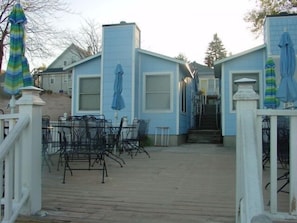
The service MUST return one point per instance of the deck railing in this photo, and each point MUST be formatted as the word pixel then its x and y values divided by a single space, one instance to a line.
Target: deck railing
pixel 20 157
pixel 249 178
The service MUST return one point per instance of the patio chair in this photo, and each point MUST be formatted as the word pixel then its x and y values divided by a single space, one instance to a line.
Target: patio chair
pixel 282 153
pixel 133 141
pixel 265 141
pixel 86 144
pixel 46 140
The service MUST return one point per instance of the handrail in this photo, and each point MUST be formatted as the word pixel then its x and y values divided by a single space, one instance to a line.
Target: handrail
pixel 15 194
pixel 13 134
pixel 249 188
pixel 291 213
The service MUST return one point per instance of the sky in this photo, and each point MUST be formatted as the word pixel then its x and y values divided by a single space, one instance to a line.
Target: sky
pixel 173 27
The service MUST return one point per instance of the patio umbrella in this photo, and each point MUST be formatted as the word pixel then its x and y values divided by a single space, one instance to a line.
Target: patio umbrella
pixel 270 100
pixel 287 91
pixel 17 74
pixel 118 101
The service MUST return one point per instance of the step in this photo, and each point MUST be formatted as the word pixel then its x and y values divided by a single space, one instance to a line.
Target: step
pixel 205 136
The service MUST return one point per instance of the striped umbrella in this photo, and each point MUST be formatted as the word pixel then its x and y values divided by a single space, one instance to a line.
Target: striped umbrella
pixel 17 74
pixel 270 100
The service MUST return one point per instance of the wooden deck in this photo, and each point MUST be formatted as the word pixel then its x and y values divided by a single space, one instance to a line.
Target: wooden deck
pixel 189 183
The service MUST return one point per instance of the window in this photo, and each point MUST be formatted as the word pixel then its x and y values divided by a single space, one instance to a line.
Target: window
pixel 157 92
pixel 183 90
pixel 237 76
pixel 89 94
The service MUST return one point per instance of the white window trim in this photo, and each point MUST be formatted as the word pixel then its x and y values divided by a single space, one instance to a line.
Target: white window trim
pixel 170 110
pixel 77 94
pixel 231 84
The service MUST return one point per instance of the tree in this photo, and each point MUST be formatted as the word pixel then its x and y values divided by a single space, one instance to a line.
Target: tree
pixel 215 51
pixel 88 37
pixel 41 34
pixel 268 7
pixel 182 57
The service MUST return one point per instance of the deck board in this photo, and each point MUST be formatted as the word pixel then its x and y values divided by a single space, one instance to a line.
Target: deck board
pixel 189 183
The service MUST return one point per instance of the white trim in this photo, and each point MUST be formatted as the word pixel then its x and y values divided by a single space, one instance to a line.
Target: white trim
pixel 223 98
pixel 177 99
pixel 170 110
pixel 239 54
pixel 78 77
pixel 231 73
pixel 133 76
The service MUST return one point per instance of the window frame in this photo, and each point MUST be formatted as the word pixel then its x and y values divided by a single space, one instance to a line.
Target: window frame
pixel 78 94
pixel 150 74
pixel 233 88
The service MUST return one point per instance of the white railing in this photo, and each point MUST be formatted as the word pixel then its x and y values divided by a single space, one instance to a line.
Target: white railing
pixel 274 115
pixel 249 177
pixel 20 157
pixel 15 194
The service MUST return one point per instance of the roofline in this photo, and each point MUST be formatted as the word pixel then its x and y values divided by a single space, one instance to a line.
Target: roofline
pixel 180 62
pixel 239 54
pixel 81 61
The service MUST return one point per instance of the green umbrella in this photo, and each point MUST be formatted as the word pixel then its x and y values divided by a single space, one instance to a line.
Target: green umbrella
pixel 270 100
pixel 17 74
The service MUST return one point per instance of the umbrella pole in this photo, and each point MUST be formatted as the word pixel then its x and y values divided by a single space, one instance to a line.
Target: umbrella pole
pixel 12 104
pixel 116 117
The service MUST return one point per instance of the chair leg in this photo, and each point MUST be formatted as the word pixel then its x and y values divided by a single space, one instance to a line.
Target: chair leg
pixel 66 165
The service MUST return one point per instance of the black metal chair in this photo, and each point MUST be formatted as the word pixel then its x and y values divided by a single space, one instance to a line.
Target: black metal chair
pixel 86 144
pixel 46 140
pixel 282 151
pixel 265 141
pixel 133 141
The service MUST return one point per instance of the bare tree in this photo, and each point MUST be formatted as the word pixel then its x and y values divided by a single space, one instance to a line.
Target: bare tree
pixel 41 34
pixel 87 37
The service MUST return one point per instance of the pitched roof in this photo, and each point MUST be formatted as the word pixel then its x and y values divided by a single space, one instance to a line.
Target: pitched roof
pixel 201 69
pixel 70 66
pixel 218 63
pixel 72 48
pixel 183 65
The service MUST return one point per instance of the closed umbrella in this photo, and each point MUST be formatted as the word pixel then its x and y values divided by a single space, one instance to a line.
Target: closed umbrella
pixel 118 101
pixel 287 91
pixel 17 74
pixel 270 100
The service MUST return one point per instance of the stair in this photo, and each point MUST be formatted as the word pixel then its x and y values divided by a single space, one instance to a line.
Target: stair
pixel 204 136
pixel 207 129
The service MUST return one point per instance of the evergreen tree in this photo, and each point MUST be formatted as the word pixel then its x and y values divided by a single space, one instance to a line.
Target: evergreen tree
pixel 215 51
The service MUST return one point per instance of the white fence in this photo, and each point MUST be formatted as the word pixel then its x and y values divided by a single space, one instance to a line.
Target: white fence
pixel 20 157
pixel 249 177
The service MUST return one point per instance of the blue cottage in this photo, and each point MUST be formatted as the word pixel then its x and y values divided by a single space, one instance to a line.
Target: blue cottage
pixel 156 88
pixel 251 64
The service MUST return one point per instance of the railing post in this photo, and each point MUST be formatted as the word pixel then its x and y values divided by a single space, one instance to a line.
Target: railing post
pixel 249 197
pixel 31 104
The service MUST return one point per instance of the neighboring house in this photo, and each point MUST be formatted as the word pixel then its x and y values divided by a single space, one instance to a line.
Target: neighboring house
pixel 208 83
pixel 155 87
pixel 251 64
pixel 54 78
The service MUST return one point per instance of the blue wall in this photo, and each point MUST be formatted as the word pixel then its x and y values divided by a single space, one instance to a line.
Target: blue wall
pixel 274 27
pixel 249 63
